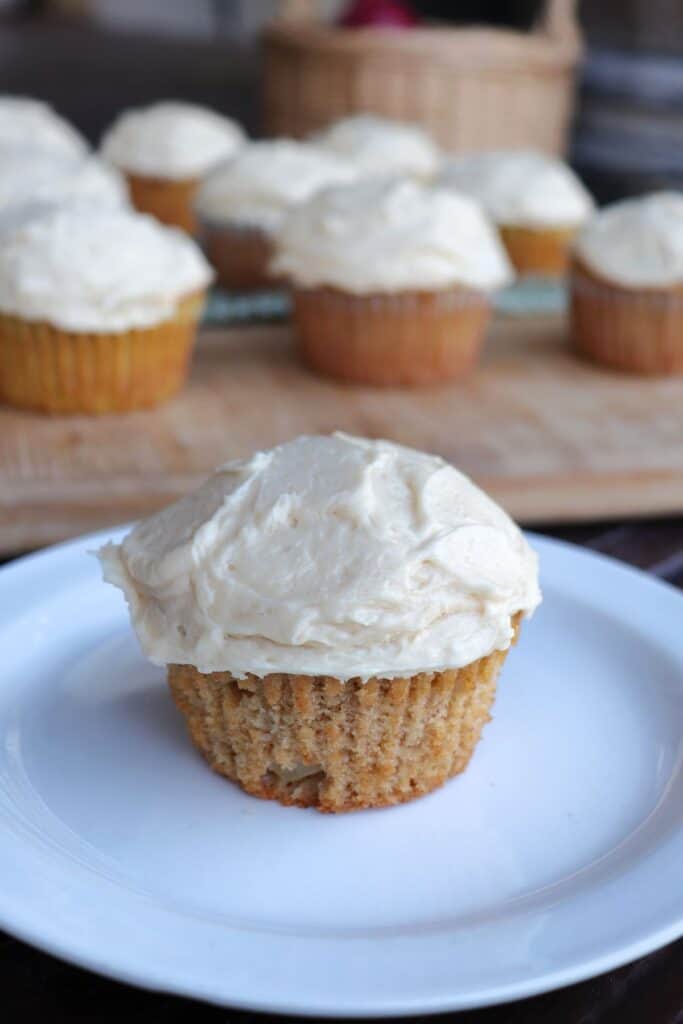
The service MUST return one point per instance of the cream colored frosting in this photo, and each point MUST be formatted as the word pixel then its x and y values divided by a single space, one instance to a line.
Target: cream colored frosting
pixel 520 187
pixel 171 140
pixel 86 268
pixel 327 556
pixel 30 175
pixel 379 146
pixel 637 242
pixel 29 122
pixel 265 179
pixel 388 235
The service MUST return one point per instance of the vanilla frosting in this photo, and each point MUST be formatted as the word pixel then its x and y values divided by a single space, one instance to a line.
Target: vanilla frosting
pixel 387 235
pixel 520 187
pixel 30 175
pixel 171 140
pixel 327 556
pixel 379 146
pixel 637 242
pixel 260 184
pixel 87 268
pixel 29 122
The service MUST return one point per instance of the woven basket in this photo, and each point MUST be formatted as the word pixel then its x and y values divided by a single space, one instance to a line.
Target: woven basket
pixel 471 88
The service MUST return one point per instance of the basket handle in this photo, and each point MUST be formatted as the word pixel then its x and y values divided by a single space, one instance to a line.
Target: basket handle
pixel 297 10
pixel 559 20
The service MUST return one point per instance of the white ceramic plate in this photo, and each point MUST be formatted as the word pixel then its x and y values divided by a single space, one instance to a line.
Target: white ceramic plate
pixel 557 855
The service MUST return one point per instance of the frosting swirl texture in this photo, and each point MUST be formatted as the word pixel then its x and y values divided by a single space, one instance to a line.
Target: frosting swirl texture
pixel 327 556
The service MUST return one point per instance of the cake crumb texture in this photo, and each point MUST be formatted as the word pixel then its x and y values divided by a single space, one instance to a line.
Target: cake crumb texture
pixel 314 741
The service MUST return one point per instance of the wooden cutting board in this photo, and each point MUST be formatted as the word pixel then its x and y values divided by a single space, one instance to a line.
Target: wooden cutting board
pixel 551 438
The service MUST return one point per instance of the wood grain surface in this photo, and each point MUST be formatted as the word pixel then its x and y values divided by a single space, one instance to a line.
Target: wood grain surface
pixel 553 439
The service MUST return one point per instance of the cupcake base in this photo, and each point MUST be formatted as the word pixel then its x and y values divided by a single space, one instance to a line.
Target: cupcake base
pixel 635 330
pixel 400 339
pixel 55 371
pixel 313 741
pixel 542 252
pixel 168 200
pixel 240 256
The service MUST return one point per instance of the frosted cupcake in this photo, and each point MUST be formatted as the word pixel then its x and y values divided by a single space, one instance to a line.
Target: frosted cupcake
pixel 379 147
pixel 391 281
pixel 627 286
pixel 165 150
pixel 29 122
pixel 536 201
pixel 98 309
pixel 30 175
pixel 333 615
pixel 241 204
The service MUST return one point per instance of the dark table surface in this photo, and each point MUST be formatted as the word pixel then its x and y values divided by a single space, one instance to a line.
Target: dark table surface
pixel 649 991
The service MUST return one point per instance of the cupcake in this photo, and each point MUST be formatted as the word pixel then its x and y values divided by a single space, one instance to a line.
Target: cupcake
pixel 536 201
pixel 29 175
pixel 627 286
pixel 28 122
pixel 165 150
pixel 379 147
pixel 390 280
pixel 98 309
pixel 241 204
pixel 333 615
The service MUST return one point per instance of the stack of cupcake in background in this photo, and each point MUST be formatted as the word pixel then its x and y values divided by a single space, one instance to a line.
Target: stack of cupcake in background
pixel 98 303
pixel 392 252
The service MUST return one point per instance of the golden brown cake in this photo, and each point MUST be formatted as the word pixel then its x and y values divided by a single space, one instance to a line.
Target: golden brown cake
pixel 339 746
pixel 538 252
pixel 409 340
pixel 626 291
pixel 98 310
pixel 171 202
pixel 391 281
pixel 333 615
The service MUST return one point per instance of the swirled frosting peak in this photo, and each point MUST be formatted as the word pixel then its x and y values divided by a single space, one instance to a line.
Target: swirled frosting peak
pixel 171 140
pixel 390 235
pixel 327 556
pixel 29 175
pixel 265 179
pixel 28 122
pixel 520 187
pixel 87 268
pixel 379 146
pixel 637 242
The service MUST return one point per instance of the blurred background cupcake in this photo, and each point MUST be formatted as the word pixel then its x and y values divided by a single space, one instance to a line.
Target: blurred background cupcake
pixel 165 150
pixel 627 286
pixel 379 146
pixel 391 281
pixel 30 122
pixel 98 309
pixel 243 202
pixel 29 175
pixel 537 202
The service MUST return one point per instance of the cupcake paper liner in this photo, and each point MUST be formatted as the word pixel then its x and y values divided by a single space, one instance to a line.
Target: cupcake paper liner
pixel 401 339
pixel 539 251
pixel 56 371
pixel 314 741
pixel 168 200
pixel 636 330
pixel 240 255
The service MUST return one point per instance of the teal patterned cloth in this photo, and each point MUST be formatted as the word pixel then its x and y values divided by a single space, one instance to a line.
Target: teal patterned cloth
pixel 526 297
